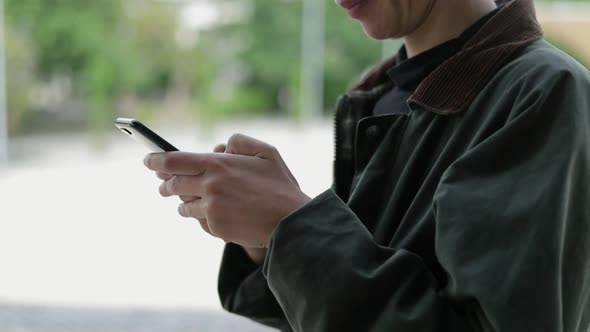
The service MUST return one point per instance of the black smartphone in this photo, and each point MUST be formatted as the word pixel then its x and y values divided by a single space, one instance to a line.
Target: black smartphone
pixel 144 135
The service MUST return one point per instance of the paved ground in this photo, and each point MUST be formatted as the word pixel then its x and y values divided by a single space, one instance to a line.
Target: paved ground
pixel 18 318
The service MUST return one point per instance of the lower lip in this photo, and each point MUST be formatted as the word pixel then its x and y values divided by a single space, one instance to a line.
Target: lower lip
pixel 355 12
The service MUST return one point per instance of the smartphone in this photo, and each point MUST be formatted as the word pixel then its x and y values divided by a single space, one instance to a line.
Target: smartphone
pixel 144 135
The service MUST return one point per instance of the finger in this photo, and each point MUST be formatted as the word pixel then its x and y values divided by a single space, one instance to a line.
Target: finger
pixel 220 148
pixel 180 163
pixel 193 209
pixel 187 199
pixel 249 146
pixel 183 185
pixel 246 145
pixel 163 176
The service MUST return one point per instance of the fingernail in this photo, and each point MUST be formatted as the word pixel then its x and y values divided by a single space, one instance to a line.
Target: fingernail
pixel 146 160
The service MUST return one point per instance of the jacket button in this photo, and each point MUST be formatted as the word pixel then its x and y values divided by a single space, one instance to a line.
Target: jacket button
pixel 372 132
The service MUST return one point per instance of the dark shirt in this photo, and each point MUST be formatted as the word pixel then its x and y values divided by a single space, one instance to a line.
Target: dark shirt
pixel 407 74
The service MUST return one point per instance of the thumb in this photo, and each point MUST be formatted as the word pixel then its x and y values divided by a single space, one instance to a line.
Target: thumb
pixel 249 146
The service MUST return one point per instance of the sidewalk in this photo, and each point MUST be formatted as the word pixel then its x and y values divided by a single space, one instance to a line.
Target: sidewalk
pixel 17 318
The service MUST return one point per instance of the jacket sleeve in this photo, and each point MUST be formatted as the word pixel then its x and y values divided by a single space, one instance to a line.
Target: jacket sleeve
pixel 512 232
pixel 243 290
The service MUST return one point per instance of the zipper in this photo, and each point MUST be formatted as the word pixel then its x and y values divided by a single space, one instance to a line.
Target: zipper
pixel 344 167
pixel 343 105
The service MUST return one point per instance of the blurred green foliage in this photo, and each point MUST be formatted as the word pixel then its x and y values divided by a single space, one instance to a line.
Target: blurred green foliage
pixel 21 78
pixel 112 50
pixel 122 57
pixel 106 48
pixel 268 49
pixel 69 38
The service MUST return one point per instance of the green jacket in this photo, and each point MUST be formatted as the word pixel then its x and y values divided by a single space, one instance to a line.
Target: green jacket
pixel 470 213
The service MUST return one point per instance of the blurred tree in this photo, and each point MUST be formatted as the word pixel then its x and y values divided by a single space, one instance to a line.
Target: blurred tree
pixel 20 57
pixel 267 56
pixel 106 47
pixel 256 59
pixel 72 38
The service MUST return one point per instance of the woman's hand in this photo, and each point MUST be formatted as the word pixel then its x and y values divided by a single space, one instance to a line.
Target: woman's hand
pixel 239 196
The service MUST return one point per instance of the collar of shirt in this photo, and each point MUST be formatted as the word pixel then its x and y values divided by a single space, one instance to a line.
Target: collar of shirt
pixel 454 84
pixel 407 74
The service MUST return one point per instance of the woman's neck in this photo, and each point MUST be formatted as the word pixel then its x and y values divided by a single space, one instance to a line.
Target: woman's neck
pixel 447 20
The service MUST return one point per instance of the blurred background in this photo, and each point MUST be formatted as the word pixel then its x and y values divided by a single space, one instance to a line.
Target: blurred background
pixel 86 243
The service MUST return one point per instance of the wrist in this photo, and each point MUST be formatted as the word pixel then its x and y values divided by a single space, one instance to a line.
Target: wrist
pixel 295 204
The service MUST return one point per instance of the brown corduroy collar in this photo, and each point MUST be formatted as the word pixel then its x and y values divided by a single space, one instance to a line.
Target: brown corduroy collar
pixel 454 84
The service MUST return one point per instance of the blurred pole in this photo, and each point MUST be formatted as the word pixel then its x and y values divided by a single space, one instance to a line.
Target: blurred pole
pixel 312 58
pixel 3 116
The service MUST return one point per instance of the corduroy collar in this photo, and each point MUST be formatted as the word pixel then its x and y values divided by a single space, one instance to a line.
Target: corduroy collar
pixel 454 84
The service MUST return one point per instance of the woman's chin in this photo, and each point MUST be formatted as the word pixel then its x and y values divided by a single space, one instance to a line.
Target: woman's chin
pixel 377 32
